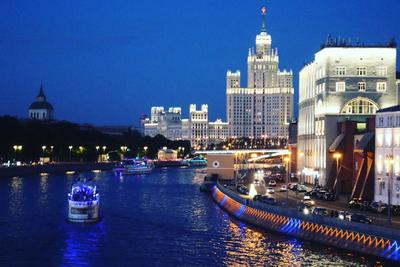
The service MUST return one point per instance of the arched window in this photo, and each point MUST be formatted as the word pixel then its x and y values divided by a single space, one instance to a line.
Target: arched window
pixel 360 105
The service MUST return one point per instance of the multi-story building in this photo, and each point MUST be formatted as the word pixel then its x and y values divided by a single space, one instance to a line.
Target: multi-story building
pixel 265 107
pixel 167 123
pixel 343 82
pixel 197 128
pixel 387 155
pixel 217 131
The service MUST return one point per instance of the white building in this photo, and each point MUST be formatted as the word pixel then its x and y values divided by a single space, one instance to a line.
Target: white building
pixel 196 128
pixel 41 109
pixel 265 107
pixel 343 82
pixel 387 155
pixel 167 123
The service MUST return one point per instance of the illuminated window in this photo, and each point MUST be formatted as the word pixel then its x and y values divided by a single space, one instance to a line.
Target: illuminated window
pixel 340 86
pixel 362 71
pixel 381 71
pixel 362 86
pixel 340 71
pixel 381 86
pixel 360 105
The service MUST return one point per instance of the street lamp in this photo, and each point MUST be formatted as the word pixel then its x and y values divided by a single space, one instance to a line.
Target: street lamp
pixel 389 161
pixel 104 149
pixel 52 149
pixel 337 157
pixel 43 149
pixel 97 153
pixel 16 149
pixel 287 160
pixel 70 148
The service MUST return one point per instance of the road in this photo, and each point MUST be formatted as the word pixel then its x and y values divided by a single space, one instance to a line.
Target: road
pixel 294 199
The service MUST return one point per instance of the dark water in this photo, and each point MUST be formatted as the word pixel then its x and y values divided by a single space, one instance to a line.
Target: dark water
pixel 160 219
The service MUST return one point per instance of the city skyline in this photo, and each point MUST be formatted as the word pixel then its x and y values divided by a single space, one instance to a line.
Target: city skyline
pixel 105 62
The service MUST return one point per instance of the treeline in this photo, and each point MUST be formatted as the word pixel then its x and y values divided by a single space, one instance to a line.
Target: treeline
pixel 28 140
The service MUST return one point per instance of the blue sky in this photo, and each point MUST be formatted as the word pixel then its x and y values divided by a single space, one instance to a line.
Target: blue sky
pixel 106 62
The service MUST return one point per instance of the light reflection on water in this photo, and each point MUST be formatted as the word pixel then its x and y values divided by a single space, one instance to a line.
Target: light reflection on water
pixel 159 219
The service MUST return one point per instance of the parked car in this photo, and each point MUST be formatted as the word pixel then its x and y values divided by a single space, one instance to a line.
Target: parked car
pixel 242 189
pixel 329 196
pixel 270 190
pixel 344 215
pixel 355 203
pixel 378 207
pixel 307 201
pixel 268 200
pixel 320 194
pixel 272 183
pixel 320 211
pixel 356 217
pixel 291 185
pixel 301 188
pixel 283 188
pixel 365 205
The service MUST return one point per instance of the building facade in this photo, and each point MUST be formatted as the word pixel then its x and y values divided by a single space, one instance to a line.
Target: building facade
pixel 387 155
pixel 197 128
pixel 264 108
pixel 343 82
pixel 41 109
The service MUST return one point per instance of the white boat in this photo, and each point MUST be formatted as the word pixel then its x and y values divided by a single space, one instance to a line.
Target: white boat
pixel 134 166
pixel 198 162
pixel 83 202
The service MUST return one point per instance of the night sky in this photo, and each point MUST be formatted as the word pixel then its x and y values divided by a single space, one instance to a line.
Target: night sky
pixel 107 62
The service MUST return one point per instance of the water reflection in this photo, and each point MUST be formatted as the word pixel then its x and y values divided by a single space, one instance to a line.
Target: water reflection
pixel 16 200
pixel 82 243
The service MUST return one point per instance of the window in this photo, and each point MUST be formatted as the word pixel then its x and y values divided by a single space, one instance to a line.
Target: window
pixel 362 86
pixel 340 86
pixel 340 71
pixel 381 86
pixel 360 105
pixel 362 71
pixel 381 71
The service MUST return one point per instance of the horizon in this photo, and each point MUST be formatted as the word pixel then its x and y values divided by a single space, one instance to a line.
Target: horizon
pixel 106 62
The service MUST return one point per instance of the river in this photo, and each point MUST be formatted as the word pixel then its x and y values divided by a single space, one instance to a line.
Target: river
pixel 158 219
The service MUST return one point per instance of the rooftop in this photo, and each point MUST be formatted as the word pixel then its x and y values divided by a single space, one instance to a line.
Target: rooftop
pixel 347 42
pixel 389 109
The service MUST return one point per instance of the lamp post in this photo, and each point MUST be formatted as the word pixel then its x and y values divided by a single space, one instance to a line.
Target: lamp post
pixel 389 161
pixel 16 149
pixel 337 157
pixel 287 160
pixel 97 153
pixel 52 156
pixel 301 155
pixel 70 148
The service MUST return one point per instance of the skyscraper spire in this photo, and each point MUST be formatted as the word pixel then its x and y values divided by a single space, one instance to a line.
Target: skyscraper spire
pixel 264 24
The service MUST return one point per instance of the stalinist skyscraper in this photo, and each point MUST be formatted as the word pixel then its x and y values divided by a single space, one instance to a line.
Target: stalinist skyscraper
pixel 265 108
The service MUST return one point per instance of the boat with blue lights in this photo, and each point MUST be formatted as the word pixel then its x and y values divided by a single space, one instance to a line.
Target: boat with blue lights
pixel 83 202
pixel 134 166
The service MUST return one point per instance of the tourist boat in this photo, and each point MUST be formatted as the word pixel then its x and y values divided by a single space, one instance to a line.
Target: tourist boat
pixel 83 202
pixel 134 166
pixel 198 162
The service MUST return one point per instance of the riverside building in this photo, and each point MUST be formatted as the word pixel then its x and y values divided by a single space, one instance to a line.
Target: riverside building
pixel 264 108
pixel 41 109
pixel 387 155
pixel 197 128
pixel 343 82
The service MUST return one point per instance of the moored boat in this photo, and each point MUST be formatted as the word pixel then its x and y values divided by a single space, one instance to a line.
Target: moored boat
pixel 134 166
pixel 198 162
pixel 83 202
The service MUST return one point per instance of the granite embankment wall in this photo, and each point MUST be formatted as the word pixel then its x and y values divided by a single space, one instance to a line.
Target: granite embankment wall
pixel 54 168
pixel 369 239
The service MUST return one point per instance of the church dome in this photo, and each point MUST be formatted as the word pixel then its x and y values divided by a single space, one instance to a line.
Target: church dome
pixel 41 105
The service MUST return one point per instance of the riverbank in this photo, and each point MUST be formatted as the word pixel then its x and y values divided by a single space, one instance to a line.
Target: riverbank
pixel 368 239
pixel 54 168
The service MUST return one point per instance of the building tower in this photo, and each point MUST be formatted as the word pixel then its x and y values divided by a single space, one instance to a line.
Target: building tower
pixel 264 109
pixel 41 109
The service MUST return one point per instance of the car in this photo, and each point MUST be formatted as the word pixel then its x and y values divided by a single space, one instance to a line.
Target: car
pixel 320 194
pixel 270 190
pixel 272 183
pixel 329 196
pixel 304 209
pixel 360 218
pixel 301 188
pixel 320 211
pixel 242 189
pixel 307 201
pixel 344 215
pixel 291 186
pixel 378 207
pixel 355 203
pixel 365 205
pixel 268 200
pixel 283 188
